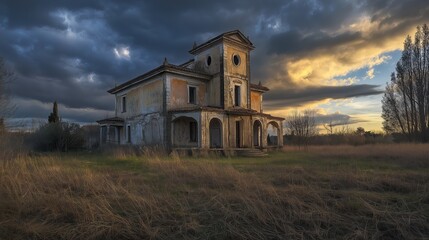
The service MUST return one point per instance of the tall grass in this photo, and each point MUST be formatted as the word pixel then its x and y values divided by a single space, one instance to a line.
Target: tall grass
pixel 412 154
pixel 55 197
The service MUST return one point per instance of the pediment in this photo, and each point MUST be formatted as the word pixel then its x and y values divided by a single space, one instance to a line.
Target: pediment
pixel 238 36
pixel 234 36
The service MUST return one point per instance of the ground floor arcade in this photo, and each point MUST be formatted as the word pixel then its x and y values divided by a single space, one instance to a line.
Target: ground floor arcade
pixel 215 129
pixel 225 130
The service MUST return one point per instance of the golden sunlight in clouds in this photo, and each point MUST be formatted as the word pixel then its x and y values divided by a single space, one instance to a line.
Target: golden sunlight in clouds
pixel 325 66
pixel 370 122
pixel 328 66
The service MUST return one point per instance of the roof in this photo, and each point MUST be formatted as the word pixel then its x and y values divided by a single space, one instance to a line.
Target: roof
pixel 166 67
pixel 258 87
pixel 112 120
pixel 271 116
pixel 233 111
pixel 186 64
pixel 224 36
pixel 197 108
pixel 241 111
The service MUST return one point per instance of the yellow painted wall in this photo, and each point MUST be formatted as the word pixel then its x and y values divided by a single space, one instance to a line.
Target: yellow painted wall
pixel 179 94
pixel 235 75
pixel 255 100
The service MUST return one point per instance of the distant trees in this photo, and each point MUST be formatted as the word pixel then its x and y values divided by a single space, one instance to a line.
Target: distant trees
pixel 5 107
pixel 360 131
pixel 57 135
pixel 405 104
pixel 302 126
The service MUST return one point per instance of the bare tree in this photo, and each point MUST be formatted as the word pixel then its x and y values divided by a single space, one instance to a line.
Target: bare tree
pixel 302 126
pixel 5 106
pixel 329 127
pixel 406 99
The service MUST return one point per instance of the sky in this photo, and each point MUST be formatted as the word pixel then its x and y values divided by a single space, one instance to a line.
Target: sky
pixel 331 56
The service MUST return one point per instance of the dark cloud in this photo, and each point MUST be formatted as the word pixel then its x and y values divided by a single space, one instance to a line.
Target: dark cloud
pixel 63 50
pixel 41 110
pixel 336 119
pixel 394 11
pixel 312 32
pixel 293 42
pixel 311 16
pixel 301 96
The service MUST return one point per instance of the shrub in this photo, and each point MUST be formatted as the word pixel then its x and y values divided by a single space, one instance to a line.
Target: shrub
pixel 60 136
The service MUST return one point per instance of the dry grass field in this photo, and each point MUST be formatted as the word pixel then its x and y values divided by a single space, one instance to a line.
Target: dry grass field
pixel 329 192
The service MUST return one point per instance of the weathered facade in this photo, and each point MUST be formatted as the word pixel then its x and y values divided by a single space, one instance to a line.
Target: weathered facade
pixel 208 102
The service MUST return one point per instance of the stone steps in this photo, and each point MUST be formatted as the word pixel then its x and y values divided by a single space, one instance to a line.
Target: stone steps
pixel 251 152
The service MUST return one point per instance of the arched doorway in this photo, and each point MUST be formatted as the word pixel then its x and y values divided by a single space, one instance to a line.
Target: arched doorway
pixel 184 132
pixel 215 133
pixel 273 134
pixel 257 134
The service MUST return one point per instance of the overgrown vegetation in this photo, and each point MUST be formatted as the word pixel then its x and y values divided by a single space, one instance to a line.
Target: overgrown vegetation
pixel 6 107
pixel 330 192
pixel 59 136
pixel 302 127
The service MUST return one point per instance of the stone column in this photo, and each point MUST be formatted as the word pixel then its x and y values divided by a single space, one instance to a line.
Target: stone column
pixel 107 133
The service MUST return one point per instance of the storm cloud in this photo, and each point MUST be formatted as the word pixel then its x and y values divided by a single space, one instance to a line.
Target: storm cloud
pixel 73 51
pixel 301 96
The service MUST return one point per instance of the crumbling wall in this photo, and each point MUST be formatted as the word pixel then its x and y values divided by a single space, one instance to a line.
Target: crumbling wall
pixel 147 129
pixel 214 91
pixel 180 129
pixel 144 99
pixel 236 75
pixel 177 92
pixel 215 53
pixel 245 131
pixel 206 117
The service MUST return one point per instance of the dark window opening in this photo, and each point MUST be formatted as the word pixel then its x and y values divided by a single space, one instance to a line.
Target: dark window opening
pixel 236 60
pixel 193 131
pixel 124 104
pixel 192 94
pixel 237 95
pixel 209 61
pixel 237 134
pixel 129 134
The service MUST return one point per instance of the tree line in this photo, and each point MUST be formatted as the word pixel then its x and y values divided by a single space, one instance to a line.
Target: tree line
pixel 405 104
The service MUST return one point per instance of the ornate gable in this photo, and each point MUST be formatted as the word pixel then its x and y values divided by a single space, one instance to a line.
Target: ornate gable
pixel 238 37
pixel 235 37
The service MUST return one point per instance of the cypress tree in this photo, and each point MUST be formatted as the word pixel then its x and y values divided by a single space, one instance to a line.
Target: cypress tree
pixel 54 117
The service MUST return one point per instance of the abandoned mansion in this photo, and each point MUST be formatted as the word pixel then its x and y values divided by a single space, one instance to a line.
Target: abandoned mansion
pixel 206 102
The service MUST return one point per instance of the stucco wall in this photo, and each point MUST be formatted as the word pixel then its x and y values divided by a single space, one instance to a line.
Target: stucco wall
pixel 236 75
pixel 213 86
pixel 200 60
pixel 256 100
pixel 178 93
pixel 145 130
pixel 213 92
pixel 206 117
pixel 230 67
pixel 245 132
pixel 180 132
pixel 144 99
